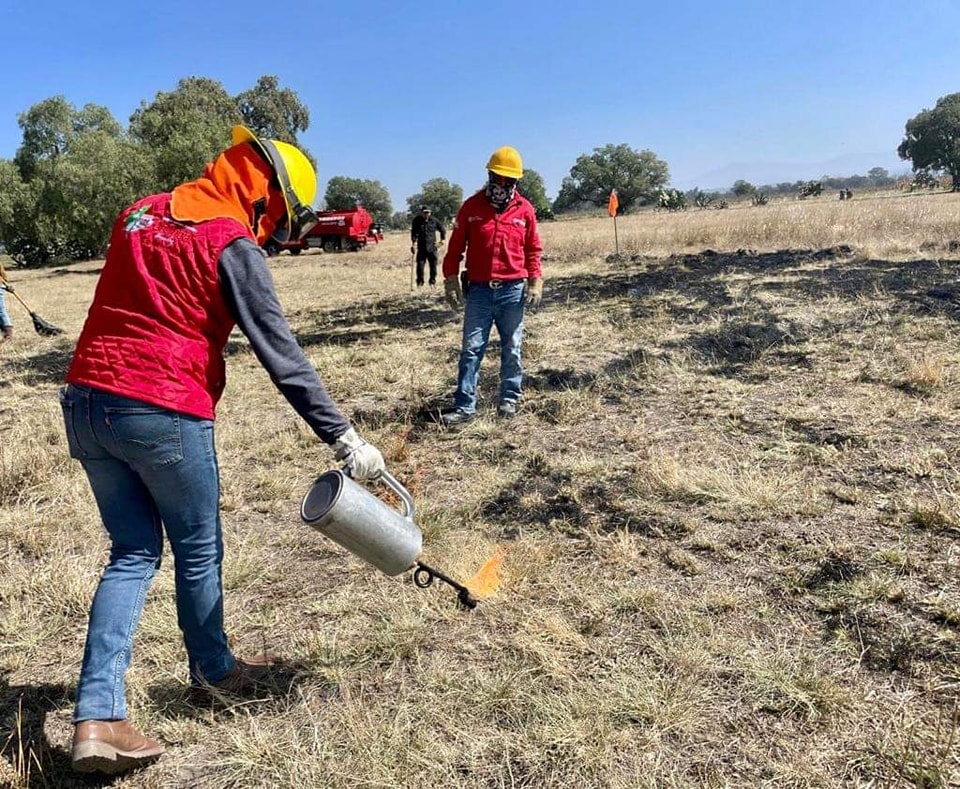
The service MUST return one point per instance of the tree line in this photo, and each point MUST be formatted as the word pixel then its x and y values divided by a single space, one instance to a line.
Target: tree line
pixel 76 168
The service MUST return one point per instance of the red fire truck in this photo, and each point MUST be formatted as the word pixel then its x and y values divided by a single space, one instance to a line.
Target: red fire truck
pixel 336 231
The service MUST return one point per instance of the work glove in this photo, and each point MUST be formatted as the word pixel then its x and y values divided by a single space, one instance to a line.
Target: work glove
pixel 363 460
pixel 534 292
pixel 413 249
pixel 453 293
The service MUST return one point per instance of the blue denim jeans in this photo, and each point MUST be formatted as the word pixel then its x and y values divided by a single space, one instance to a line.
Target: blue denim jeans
pixel 4 317
pixel 150 470
pixel 486 307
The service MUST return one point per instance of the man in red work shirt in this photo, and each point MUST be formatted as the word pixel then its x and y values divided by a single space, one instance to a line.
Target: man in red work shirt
pixel 497 228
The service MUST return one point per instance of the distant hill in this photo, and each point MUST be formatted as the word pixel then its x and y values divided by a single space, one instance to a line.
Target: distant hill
pixel 760 173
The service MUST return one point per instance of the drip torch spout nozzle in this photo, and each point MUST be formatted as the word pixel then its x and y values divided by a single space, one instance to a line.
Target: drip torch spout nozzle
pixel 423 577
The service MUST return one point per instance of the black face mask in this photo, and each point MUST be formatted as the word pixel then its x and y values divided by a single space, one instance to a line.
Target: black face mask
pixel 500 190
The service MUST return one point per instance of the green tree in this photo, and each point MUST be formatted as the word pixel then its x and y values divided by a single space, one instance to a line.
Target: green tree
pixel 17 208
pixel 399 221
pixel 532 187
pixel 52 125
pixel 743 188
pixel 274 112
pixel 76 169
pixel 344 193
pixel 38 222
pixel 879 176
pixel 99 176
pixel 636 175
pixel 185 128
pixel 932 139
pixel 443 197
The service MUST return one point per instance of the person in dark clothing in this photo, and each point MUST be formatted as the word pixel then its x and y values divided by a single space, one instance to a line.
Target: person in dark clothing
pixel 423 242
pixel 182 269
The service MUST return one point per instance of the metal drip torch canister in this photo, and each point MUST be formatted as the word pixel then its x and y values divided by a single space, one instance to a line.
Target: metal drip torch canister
pixel 359 521
pixel 353 517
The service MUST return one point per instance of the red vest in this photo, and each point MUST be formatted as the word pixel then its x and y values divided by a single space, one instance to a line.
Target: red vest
pixel 158 323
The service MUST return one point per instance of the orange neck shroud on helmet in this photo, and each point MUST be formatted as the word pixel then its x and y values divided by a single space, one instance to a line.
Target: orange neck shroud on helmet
pixel 229 187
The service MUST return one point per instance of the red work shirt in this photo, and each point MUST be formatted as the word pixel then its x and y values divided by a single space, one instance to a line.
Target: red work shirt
pixel 503 246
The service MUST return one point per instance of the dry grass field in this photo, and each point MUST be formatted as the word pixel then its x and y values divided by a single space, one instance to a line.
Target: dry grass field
pixel 729 515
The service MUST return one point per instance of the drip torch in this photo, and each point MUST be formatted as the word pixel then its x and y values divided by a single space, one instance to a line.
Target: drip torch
pixel 361 522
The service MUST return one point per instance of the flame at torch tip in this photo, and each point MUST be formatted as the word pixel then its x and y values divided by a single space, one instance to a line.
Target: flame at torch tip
pixel 487 579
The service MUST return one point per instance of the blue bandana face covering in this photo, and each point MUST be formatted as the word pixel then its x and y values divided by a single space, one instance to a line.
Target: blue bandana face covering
pixel 500 191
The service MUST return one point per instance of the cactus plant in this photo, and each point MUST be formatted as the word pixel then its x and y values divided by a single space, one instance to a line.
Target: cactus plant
pixel 672 200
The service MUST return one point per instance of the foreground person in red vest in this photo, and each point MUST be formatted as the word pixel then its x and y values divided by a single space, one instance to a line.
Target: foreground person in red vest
pixel 147 373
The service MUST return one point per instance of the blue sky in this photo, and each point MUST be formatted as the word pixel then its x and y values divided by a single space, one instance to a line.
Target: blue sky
pixel 401 93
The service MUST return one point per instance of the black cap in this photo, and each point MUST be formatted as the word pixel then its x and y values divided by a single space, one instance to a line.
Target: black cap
pixel 424 208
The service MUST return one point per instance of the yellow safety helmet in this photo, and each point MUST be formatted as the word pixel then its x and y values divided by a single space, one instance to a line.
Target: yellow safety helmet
pixel 506 161
pixel 298 180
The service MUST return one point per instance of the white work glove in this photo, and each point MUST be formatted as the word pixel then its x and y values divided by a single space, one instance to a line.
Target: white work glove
pixel 534 292
pixel 453 293
pixel 363 460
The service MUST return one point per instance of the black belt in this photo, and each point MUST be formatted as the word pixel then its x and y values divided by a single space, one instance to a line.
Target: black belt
pixel 495 284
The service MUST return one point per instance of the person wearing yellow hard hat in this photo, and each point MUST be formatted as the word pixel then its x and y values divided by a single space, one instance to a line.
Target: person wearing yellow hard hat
pixel 182 269
pixel 496 229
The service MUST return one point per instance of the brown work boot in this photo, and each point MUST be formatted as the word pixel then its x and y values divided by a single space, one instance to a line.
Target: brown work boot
pixel 246 678
pixel 111 747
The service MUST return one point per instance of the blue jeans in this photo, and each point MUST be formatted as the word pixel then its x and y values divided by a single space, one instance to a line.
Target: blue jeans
pixel 486 306
pixel 4 317
pixel 150 470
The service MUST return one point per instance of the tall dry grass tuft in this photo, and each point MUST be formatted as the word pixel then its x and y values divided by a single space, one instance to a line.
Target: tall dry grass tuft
pixel 717 547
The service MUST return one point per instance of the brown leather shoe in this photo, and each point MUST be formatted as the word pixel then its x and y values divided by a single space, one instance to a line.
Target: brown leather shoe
pixel 247 677
pixel 111 747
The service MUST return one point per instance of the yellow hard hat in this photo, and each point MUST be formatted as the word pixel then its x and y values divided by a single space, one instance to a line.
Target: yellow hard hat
pixel 506 161
pixel 298 180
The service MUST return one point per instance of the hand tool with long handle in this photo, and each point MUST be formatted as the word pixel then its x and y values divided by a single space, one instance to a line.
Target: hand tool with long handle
pixel 41 326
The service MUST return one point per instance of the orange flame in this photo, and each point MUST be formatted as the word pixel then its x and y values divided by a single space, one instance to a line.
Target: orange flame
pixel 487 580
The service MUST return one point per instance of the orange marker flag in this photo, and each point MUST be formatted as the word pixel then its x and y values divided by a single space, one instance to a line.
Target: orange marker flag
pixel 614 203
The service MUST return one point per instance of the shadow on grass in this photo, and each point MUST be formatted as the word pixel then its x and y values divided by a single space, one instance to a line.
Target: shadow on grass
pixel 923 285
pixel 369 322
pixel 695 289
pixel 64 272
pixel 175 700
pixel 24 745
pixel 26 724
pixel 47 367
pixel 554 500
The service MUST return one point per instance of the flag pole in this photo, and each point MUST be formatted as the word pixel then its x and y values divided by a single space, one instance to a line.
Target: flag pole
pixel 613 208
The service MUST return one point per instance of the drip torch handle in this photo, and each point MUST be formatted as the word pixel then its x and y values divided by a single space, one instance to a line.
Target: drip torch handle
pixel 406 499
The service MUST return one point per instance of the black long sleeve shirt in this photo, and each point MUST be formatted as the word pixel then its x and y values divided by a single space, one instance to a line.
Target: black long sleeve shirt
pixel 252 300
pixel 423 232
